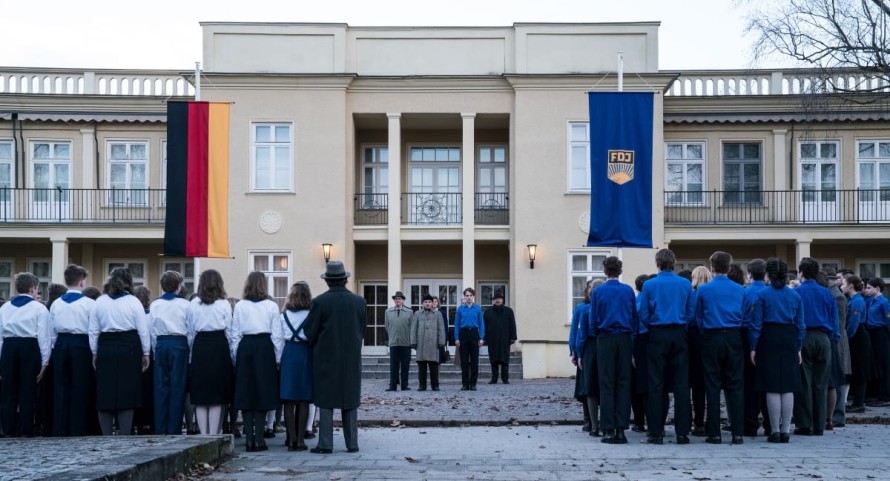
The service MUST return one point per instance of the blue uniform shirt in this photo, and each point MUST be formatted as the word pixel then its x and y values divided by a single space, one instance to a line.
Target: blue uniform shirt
pixel 777 306
pixel 584 331
pixel 718 304
pixel 878 312
pixel 613 309
pixel 855 314
pixel 748 305
pixel 666 300
pixel 820 310
pixel 469 317
pixel 573 330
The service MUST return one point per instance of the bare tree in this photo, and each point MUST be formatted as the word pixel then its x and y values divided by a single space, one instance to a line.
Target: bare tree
pixel 845 40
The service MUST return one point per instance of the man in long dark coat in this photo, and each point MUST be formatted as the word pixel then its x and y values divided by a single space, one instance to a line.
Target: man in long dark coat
pixel 500 332
pixel 335 328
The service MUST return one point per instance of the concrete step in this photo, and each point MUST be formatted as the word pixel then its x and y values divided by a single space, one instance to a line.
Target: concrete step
pixel 377 367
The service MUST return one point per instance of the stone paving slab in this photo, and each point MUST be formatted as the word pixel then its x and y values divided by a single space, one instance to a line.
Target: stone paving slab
pixel 565 453
pixel 107 458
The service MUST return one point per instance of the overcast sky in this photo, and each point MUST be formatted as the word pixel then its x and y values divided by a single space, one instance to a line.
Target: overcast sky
pixel 694 34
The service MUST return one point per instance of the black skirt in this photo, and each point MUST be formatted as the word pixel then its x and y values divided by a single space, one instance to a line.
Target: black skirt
pixel 861 358
pixel 211 377
pixel 591 376
pixel 778 369
pixel 836 376
pixel 580 387
pixel 256 379
pixel 119 371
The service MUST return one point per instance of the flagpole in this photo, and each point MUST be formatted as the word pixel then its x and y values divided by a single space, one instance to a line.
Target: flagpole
pixel 621 71
pixel 197 80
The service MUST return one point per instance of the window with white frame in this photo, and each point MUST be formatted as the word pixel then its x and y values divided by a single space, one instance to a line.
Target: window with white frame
pixel 186 267
pixel 579 156
pixel 870 268
pixel 375 176
pixel 741 172
pixel 583 266
pixel 6 275
pixel 128 171
pixel 819 162
pixel 137 269
pixel 684 172
pixel 42 268
pixel 276 267
pixel 273 146
pixel 7 171
pixel 51 170
pixel 487 290
pixel 375 294
pixel 164 172
pixel 873 159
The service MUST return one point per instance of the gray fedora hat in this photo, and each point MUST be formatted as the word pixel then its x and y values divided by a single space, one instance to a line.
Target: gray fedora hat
pixel 335 270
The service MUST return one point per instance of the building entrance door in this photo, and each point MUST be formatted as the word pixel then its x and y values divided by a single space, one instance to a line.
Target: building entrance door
pixel 447 290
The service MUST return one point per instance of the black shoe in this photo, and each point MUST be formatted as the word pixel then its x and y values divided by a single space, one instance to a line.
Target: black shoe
pixel 506 381
pixel 493 381
pixel 465 388
pixel 620 438
pixel 595 433
pixel 250 448
pixel 422 388
pixel 713 440
pixel 738 440
pixel 472 388
pixel 406 388
pixel 262 447
pixel 786 438
pixel 237 434
pixel 638 429
pixel 856 409
pixel 321 451
pixel 774 438
pixel 682 439
pixel 699 431
pixel 268 434
pixel 727 428
pixel 655 440
pixel 309 435
pixel 352 450
pixel 586 427
pixel 803 431
pixel 839 425
pixel 818 433
pixel 390 388
pixel 435 389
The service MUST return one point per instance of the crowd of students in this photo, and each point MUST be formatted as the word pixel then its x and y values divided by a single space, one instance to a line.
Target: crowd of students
pixel 787 345
pixel 120 353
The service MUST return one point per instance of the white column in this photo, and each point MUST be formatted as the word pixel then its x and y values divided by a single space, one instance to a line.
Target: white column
pixel 468 187
pixel 394 225
pixel 780 176
pixel 803 250
pixel 60 259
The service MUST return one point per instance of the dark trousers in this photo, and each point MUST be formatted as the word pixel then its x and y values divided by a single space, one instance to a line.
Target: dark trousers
pixel 668 353
pixel 810 402
pixel 880 343
pixel 171 371
pixel 469 356
pixel 433 367
pixel 399 362
pixel 613 361
pixel 326 428
pixel 504 368
pixel 754 400
pixel 723 365
pixel 74 386
pixel 19 367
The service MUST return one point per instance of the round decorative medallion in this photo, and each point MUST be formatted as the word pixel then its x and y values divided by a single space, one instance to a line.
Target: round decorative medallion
pixel 584 222
pixel 270 222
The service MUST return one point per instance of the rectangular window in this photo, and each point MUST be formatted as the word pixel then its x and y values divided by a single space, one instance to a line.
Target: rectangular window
pixel 583 266
pixel 684 172
pixel 273 160
pixel 6 274
pixel 873 160
pixel 487 291
pixel 137 269
pixel 874 268
pixel 128 171
pixel 741 173
pixel 579 156
pixel 184 267
pixel 42 268
pixel 51 170
pixel 819 173
pixel 376 297
pixel 7 171
pixel 276 266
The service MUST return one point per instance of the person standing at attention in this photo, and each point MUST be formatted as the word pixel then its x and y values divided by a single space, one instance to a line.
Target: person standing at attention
pixel 469 335
pixel 397 322
pixel 500 328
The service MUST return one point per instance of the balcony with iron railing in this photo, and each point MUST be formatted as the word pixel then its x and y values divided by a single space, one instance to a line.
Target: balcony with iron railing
pixel 82 206
pixel 432 208
pixel 777 207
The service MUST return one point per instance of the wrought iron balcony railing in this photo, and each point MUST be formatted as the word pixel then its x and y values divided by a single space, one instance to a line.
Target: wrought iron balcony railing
pixel 371 209
pixel 777 207
pixel 492 208
pixel 431 208
pixel 82 206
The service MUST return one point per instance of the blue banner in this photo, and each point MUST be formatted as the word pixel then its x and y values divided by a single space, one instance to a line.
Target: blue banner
pixel 620 169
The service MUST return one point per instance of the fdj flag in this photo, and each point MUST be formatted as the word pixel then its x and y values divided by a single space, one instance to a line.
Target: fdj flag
pixel 620 169
pixel 197 180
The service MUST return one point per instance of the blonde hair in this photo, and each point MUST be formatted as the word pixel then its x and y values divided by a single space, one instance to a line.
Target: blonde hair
pixel 700 275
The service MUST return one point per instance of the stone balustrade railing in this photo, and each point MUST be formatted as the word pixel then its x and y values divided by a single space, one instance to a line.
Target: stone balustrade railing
pixel 709 83
pixel 164 83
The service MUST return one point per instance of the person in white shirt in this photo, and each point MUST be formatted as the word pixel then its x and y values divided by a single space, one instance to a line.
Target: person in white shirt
pixel 296 365
pixel 169 339
pixel 24 354
pixel 257 347
pixel 74 382
pixel 212 378
pixel 120 342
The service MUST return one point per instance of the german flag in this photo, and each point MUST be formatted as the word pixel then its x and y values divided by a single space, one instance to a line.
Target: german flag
pixel 197 222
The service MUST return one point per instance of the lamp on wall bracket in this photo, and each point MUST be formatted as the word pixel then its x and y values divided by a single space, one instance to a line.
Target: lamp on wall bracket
pixel 326 248
pixel 532 252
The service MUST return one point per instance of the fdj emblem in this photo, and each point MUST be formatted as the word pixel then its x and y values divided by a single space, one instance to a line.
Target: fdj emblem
pixel 621 166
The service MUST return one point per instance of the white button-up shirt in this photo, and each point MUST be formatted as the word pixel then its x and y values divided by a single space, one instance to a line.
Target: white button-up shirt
pixel 209 317
pixel 28 319
pixel 167 317
pixel 256 318
pixel 70 314
pixel 117 315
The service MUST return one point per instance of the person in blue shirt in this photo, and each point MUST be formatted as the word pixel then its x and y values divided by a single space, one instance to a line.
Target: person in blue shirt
pixel 718 315
pixel 878 323
pixel 701 275
pixel 665 311
pixel 776 336
pixel 820 314
pixel 585 346
pixel 860 343
pixel 754 400
pixel 580 315
pixel 639 383
pixel 469 335
pixel 613 317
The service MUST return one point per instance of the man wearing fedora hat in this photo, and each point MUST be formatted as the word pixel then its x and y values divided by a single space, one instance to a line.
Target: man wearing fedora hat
pixel 500 329
pixel 397 322
pixel 335 328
